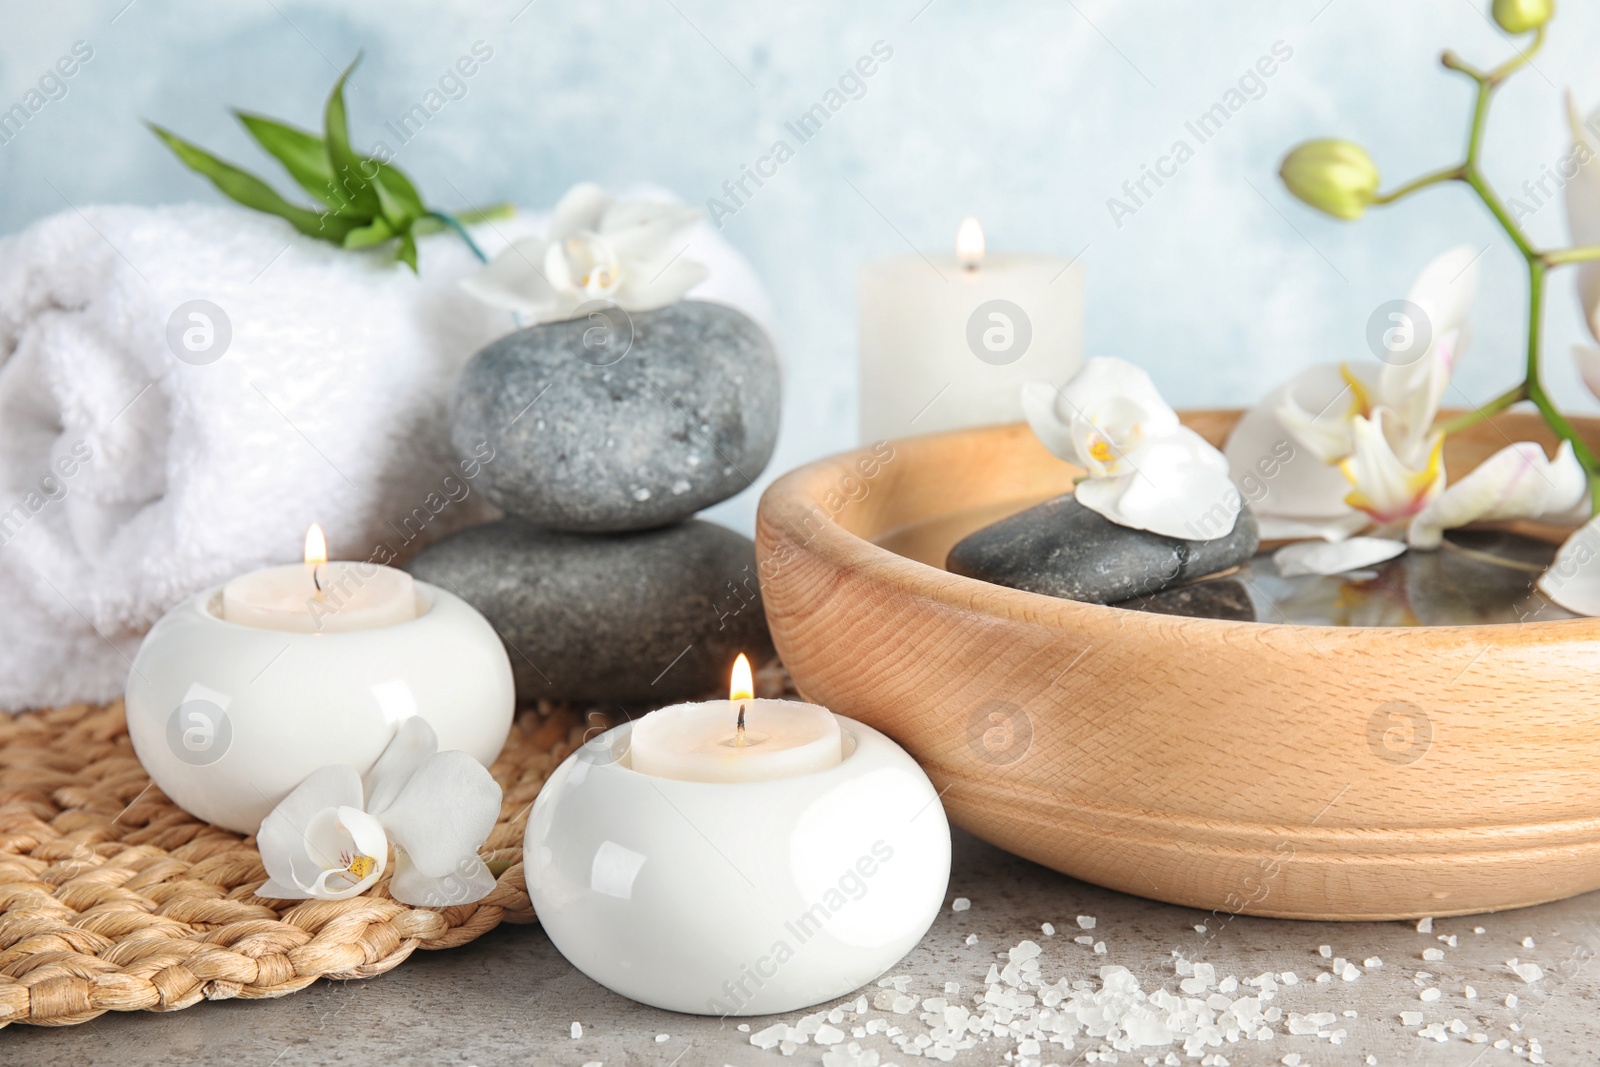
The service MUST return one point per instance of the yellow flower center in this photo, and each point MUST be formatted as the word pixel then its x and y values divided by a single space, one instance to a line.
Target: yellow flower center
pixel 360 866
pixel 1101 451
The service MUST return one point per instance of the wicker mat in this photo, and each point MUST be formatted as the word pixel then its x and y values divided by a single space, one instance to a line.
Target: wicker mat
pixel 113 899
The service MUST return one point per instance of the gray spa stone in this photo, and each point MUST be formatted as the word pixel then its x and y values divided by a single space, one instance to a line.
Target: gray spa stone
pixel 636 618
pixel 616 422
pixel 1061 548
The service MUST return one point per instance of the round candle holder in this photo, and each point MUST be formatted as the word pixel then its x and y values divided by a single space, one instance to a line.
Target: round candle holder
pixel 737 898
pixel 227 719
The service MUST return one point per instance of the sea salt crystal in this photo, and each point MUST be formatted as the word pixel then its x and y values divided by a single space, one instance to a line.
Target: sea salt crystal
pixel 1527 942
pixel 828 1035
pixel 952 987
pixel 1350 972
pixel 1324 979
pixel 1411 1018
pixel 1425 926
pixel 1432 954
pixel 1291 1060
pixel 1434 1031
pixel 1511 1000
pixel 1084 939
pixel 1429 995
pixel 1288 978
pixel 1479 930
pixel 662 1039
pixel 960 904
pixel 1049 929
pixel 1100 950
pixel 1026 950
pixel 1086 922
pixel 770 1037
pixel 1469 992
pixel 1457 1026
pixel 1200 928
pixel 1528 972
pixel 972 939
pixel 1502 1044
pixel 1325 951
pixel 577 1031
pixel 1372 963
pixel 1450 939
pixel 904 1005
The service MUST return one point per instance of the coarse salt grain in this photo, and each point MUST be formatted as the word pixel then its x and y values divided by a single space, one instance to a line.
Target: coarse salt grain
pixel 1528 972
pixel 1425 926
pixel 1084 939
pixel 1479 930
pixel 1049 929
pixel 1086 922
pixel 1372 963
pixel 577 1031
pixel 1200 928
pixel 1100 949
pixel 1511 1000
pixel 1432 954
pixel 1325 951
pixel 1527 942
pixel 1429 995
pixel 662 1039
pixel 960 904
pixel 972 939
pixel 1411 1018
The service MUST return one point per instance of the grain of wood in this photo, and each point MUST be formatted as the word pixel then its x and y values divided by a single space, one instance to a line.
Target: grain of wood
pixel 1256 768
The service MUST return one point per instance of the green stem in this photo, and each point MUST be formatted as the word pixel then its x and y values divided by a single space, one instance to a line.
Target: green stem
pixel 1455 173
pixel 455 224
pixel 1515 395
pixel 1560 256
pixel 1535 386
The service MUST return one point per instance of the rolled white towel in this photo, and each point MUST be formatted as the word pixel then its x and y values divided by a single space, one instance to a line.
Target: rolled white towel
pixel 131 478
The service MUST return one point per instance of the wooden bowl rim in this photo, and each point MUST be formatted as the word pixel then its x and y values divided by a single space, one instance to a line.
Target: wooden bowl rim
pixel 791 496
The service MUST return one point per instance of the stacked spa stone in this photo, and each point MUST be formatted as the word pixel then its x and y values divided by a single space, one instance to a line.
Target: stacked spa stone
pixel 606 434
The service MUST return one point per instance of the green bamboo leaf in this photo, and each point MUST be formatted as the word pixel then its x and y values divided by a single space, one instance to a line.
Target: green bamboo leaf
pixel 245 188
pixel 375 233
pixel 408 251
pixel 352 175
pixel 399 200
pixel 303 155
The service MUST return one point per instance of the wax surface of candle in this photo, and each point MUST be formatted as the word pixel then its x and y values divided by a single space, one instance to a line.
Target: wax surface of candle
pixel 948 341
pixel 354 596
pixel 698 742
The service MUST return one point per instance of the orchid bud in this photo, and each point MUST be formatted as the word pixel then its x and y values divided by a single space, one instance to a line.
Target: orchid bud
pixel 1333 176
pixel 1521 16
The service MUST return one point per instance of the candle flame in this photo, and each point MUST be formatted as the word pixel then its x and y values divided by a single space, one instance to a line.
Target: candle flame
pixel 969 243
pixel 743 684
pixel 316 545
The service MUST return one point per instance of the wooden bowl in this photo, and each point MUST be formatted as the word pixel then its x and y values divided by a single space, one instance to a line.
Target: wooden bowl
pixel 1311 772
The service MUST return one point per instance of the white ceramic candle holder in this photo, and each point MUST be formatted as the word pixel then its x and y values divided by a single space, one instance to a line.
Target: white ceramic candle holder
pixel 737 898
pixel 228 718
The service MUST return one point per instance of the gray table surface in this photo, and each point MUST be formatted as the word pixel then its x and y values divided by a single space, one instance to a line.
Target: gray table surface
pixel 510 998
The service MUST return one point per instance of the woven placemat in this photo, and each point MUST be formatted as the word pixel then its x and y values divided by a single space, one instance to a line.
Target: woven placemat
pixel 114 899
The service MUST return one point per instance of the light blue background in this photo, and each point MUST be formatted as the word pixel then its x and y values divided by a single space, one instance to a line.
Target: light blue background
pixel 1026 114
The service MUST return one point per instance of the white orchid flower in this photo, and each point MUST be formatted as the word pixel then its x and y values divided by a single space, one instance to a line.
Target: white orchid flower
pixel 627 253
pixel 1306 429
pixel 1517 482
pixel 1582 197
pixel 1145 470
pixel 1573 579
pixel 1334 557
pixel 330 838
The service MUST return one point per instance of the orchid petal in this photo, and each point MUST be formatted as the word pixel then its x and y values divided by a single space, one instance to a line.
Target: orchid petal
pixel 1180 488
pixel 443 812
pixel 407 751
pixel 649 287
pixel 1280 475
pixel 580 208
pixel 647 231
pixel 1517 482
pixel 1588 359
pixel 515 279
pixel 1573 580
pixel 1105 378
pixel 1320 557
pixel 1054 432
pixel 282 838
pixel 468 882
pixel 1332 528
pixel 1446 289
pixel 1384 486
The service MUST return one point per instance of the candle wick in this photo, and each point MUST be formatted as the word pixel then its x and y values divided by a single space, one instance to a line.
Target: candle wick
pixel 316 580
pixel 738 733
pixel 970 268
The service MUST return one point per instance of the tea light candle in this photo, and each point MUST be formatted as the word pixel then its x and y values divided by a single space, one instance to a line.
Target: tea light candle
pixel 675 866
pixel 740 739
pixel 320 597
pixel 949 341
pixel 241 691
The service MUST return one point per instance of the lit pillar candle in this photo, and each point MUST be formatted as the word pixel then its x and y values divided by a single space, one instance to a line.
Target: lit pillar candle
pixel 320 597
pixel 948 341
pixel 740 739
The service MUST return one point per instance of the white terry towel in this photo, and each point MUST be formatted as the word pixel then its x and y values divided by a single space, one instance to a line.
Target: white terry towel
pixel 131 479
